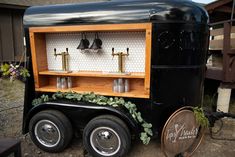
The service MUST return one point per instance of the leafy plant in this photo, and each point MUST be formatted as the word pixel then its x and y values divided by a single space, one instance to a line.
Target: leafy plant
pixel 42 99
pixel 200 117
pixel 5 69
pixel 146 133
pixel 24 72
pixel 14 71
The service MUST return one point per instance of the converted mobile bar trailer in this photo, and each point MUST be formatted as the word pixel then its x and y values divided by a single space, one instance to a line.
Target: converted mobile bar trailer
pixel 149 52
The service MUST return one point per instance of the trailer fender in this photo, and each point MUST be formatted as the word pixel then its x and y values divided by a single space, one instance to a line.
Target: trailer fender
pixel 82 113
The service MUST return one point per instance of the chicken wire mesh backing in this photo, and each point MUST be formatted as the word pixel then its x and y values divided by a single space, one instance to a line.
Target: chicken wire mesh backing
pixel 103 60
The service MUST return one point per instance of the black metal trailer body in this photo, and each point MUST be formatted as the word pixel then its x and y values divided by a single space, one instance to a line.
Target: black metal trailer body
pixel 178 55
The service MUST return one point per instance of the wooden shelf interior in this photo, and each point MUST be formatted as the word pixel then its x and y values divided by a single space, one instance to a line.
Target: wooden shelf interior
pixel 101 86
pixel 88 81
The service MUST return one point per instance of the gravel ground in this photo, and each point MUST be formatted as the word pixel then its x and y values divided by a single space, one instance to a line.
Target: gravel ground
pixel 11 108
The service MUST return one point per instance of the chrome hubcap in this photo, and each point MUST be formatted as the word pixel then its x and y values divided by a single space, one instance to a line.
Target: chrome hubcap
pixel 105 141
pixel 47 133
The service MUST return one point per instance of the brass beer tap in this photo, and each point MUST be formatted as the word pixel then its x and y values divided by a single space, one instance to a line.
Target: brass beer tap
pixel 120 58
pixel 65 62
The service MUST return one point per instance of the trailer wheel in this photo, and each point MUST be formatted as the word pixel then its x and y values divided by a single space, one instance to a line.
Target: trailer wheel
pixel 106 136
pixel 50 130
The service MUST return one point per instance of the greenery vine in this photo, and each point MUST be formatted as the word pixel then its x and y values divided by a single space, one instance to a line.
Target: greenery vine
pixel 146 133
pixel 200 117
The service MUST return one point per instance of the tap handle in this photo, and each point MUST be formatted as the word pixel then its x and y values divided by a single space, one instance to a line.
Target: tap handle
pixel 113 52
pixel 127 52
pixel 55 53
pixel 67 50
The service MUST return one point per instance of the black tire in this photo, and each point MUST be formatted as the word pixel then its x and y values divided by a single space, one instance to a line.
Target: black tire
pixel 54 122
pixel 113 125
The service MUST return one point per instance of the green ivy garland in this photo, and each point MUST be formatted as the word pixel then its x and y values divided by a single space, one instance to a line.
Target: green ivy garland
pixel 200 117
pixel 102 100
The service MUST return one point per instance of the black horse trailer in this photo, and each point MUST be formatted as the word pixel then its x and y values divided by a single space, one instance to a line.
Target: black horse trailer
pixel 148 54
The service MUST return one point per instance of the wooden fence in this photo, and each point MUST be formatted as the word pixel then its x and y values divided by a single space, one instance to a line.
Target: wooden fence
pixel 11 34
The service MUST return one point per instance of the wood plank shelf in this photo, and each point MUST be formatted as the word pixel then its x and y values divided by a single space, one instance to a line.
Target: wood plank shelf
pixel 137 93
pixel 92 28
pixel 94 74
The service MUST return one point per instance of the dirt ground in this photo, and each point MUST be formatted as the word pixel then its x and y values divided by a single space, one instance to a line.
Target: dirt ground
pixel 11 108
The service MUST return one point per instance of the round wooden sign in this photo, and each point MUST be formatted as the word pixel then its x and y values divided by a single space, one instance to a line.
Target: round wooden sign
pixel 181 134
